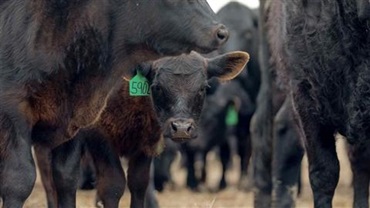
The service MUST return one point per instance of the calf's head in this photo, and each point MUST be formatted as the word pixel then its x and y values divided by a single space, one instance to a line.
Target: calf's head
pixel 178 88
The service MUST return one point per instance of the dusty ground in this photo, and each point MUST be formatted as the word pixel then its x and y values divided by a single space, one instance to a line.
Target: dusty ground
pixel 230 198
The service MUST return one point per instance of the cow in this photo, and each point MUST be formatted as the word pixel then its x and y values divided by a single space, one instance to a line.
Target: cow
pixel 135 127
pixel 276 168
pixel 60 60
pixel 242 23
pixel 214 131
pixel 321 51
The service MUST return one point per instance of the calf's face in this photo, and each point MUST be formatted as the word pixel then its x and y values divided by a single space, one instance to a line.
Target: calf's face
pixel 178 88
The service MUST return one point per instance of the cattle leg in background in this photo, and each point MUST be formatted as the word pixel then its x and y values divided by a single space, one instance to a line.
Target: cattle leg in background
pixel 261 125
pixel 16 161
pixel 150 198
pixel 65 169
pixel 162 165
pixel 191 179
pixel 287 156
pixel 244 149
pixel 225 154
pixel 138 178
pixel 43 158
pixel 359 158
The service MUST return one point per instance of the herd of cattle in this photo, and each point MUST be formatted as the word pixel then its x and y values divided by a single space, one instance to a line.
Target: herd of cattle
pixel 75 76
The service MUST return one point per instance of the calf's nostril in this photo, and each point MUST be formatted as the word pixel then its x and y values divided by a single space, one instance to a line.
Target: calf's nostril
pixel 189 128
pixel 174 126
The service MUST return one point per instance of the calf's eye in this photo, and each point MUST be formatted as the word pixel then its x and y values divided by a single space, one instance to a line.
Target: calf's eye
pixel 156 88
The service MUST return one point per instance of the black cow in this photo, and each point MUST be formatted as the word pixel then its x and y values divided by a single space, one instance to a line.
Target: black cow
pixel 214 132
pixel 322 51
pixel 276 168
pixel 132 126
pixel 59 61
pixel 242 23
pixel 243 26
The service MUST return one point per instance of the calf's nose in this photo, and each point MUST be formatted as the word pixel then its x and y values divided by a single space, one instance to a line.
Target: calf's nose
pixel 182 128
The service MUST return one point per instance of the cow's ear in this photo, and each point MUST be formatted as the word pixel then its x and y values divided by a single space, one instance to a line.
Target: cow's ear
pixel 144 68
pixel 227 66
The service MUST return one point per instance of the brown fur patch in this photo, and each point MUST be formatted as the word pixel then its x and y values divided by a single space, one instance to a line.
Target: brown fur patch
pixel 130 124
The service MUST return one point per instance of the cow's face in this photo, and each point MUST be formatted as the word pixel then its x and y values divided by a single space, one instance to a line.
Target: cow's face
pixel 172 27
pixel 178 87
pixel 242 24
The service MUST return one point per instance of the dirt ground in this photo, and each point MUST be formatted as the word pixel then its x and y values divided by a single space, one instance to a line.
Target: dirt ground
pixel 230 198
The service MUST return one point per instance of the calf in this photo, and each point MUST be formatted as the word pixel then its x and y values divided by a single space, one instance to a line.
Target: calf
pixel 322 51
pixel 60 60
pixel 242 23
pixel 133 126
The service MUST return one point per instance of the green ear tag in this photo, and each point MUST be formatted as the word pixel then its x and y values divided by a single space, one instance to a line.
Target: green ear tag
pixel 231 116
pixel 139 85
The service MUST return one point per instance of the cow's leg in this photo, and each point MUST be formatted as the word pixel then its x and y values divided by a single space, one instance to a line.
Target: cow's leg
pixel 319 141
pixel 287 156
pixel 151 199
pixel 87 178
pixel 138 179
pixel 261 123
pixel 203 176
pixel 323 165
pixel 225 159
pixel 244 152
pixel 191 179
pixel 359 158
pixel 17 168
pixel 262 154
pixel 111 179
pixel 162 165
pixel 65 168
pixel 43 158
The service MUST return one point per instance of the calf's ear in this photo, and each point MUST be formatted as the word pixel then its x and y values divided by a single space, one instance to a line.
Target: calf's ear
pixel 227 66
pixel 144 68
